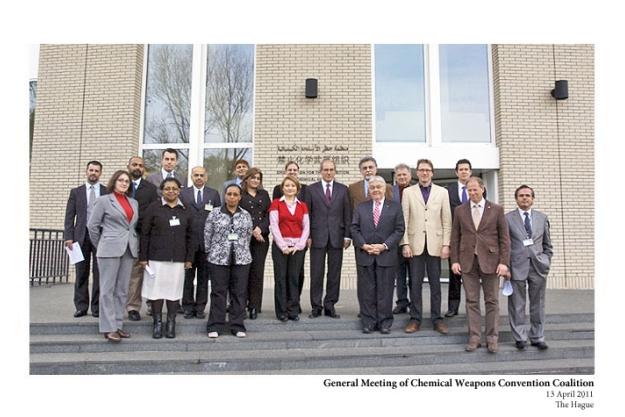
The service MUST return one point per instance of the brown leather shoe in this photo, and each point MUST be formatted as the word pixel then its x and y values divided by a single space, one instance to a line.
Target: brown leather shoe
pixel 113 337
pixel 413 326
pixel 441 327
pixel 492 347
pixel 123 334
pixel 472 345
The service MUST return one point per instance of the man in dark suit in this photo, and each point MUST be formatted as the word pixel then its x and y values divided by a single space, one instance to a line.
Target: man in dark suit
pixel 169 161
pixel 359 191
pixel 377 226
pixel 530 260
pixel 79 205
pixel 241 167
pixel 457 196
pixel 403 177
pixel 480 251
pixel 145 193
pixel 201 200
pixel 330 219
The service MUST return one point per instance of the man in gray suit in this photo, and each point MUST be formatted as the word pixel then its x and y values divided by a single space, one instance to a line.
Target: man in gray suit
pixel 79 206
pixel 377 227
pixel 530 260
pixel 169 161
pixel 330 218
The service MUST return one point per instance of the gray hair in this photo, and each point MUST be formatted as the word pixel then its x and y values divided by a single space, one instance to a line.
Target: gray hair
pixel 377 178
pixel 402 166
pixel 478 180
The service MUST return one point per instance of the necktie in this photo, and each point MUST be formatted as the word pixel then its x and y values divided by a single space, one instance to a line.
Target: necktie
pixel 464 194
pixel 376 213
pixel 528 225
pixel 328 195
pixel 476 215
pixel 169 175
pixel 134 189
pixel 199 198
pixel 91 201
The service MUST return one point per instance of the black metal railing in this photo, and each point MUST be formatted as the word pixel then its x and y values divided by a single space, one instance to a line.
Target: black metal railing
pixel 48 259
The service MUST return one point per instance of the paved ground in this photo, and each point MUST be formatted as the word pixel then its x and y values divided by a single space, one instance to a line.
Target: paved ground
pixel 54 303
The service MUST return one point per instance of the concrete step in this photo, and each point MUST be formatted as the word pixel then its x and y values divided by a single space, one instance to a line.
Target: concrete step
pixel 296 360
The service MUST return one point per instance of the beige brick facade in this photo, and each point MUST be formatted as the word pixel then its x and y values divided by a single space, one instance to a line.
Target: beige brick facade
pixel 89 107
pixel 549 145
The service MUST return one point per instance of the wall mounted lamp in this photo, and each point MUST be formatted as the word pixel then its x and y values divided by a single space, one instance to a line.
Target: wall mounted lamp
pixel 311 88
pixel 561 90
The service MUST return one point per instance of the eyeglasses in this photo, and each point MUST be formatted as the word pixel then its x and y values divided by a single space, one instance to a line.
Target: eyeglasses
pixel 424 170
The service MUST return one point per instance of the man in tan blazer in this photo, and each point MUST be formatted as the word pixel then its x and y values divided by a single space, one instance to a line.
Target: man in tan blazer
pixel 359 191
pixel 480 251
pixel 425 242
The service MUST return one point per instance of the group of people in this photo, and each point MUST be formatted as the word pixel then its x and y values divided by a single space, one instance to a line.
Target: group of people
pixel 153 238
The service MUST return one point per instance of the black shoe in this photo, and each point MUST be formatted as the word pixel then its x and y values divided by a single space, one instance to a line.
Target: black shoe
pixel 520 344
pixel 294 318
pixel 315 313
pixel 95 314
pixel 253 313
pixel 540 345
pixel 400 310
pixel 170 327
pixel 367 330
pixel 385 330
pixel 451 313
pixel 200 315
pixel 157 329
pixel 331 313
pixel 80 313
pixel 133 315
pixel 188 314
pixel 283 318
pixel 180 309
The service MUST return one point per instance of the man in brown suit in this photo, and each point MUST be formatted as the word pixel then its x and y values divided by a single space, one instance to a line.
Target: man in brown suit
pixel 359 191
pixel 480 251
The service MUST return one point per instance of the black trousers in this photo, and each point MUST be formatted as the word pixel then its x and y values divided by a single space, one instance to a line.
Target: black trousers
pixel 257 273
pixel 232 281
pixel 418 267
pixel 286 272
pixel 375 290
pixel 300 279
pixel 317 272
pixel 81 286
pixel 454 290
pixel 194 299
pixel 402 278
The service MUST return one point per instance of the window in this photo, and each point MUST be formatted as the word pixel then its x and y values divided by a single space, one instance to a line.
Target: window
pixel 199 100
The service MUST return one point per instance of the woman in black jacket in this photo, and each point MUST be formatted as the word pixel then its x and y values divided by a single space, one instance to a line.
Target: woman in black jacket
pixel 256 201
pixel 165 252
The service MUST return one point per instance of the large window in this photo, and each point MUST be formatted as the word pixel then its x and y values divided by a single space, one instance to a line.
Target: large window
pixel 199 100
pixel 432 94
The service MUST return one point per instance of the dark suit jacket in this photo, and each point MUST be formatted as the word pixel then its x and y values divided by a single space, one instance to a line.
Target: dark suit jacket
pixel 145 195
pixel 492 238
pixel 76 214
pixel 199 213
pixel 329 223
pixel 389 231
pixel 357 193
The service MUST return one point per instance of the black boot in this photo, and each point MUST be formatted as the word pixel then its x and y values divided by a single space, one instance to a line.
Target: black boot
pixel 170 331
pixel 157 330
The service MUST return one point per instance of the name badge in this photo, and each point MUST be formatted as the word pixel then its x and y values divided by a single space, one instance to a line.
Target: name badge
pixel 528 242
pixel 174 221
pixel 233 236
pixel 208 207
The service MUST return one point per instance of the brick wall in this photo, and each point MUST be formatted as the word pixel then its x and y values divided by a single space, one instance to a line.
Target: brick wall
pixel 339 117
pixel 549 145
pixel 88 107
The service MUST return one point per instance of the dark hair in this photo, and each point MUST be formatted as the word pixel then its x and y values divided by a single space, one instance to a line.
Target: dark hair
pixel 425 161
pixel 230 186
pixel 367 158
pixel 94 163
pixel 135 157
pixel 463 161
pixel 292 179
pixel 240 161
pixel 169 150
pixel 111 184
pixel 170 179
pixel 291 163
pixel 516 192
pixel 250 173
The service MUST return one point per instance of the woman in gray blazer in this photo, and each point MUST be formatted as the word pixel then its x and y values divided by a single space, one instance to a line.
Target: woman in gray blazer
pixel 112 231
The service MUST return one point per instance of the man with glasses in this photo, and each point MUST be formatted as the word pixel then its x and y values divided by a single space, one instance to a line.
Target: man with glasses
pixel 425 242
pixel 359 191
